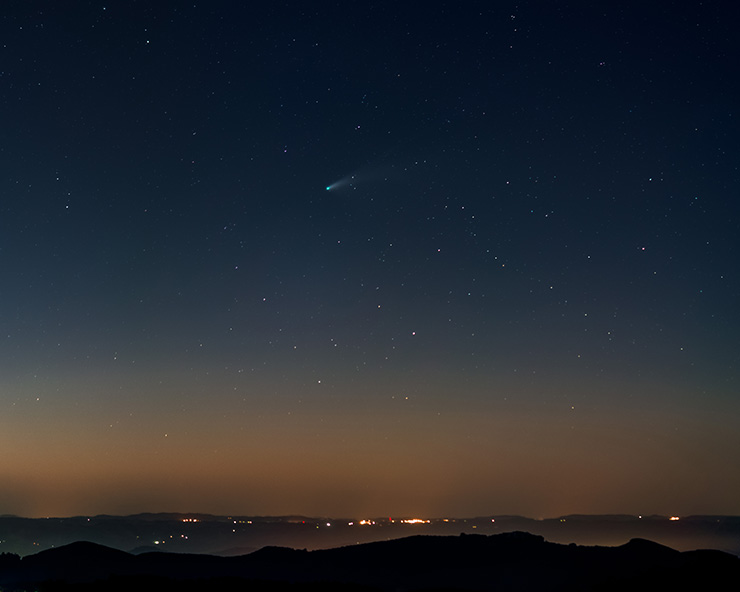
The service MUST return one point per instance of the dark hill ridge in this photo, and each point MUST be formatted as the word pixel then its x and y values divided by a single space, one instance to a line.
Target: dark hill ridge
pixel 510 561
pixel 238 535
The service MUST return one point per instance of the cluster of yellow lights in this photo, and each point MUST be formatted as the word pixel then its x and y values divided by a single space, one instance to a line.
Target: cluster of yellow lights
pixel 190 520
pixel 407 521
pixel 674 518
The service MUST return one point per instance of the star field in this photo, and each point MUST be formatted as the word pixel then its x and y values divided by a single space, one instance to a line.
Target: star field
pixel 349 259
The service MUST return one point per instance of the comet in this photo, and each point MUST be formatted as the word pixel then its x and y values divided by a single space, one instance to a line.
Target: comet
pixel 347 181
pixel 367 174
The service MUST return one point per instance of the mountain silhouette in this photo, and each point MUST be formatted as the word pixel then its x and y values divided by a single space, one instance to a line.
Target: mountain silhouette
pixel 503 562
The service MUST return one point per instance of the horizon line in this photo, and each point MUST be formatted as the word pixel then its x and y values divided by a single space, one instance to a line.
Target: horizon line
pixel 384 517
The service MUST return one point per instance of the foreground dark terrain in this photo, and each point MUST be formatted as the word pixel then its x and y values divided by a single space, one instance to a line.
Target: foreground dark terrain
pixel 509 561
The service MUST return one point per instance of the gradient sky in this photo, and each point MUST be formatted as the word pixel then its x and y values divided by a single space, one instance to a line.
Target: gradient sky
pixel 519 293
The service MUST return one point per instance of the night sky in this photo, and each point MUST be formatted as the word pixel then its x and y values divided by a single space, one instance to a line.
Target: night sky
pixel 369 258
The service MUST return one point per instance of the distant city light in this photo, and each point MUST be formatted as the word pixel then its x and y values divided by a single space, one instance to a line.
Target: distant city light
pixel 674 518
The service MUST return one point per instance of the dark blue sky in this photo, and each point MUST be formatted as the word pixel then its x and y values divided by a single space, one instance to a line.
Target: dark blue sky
pixel 520 296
